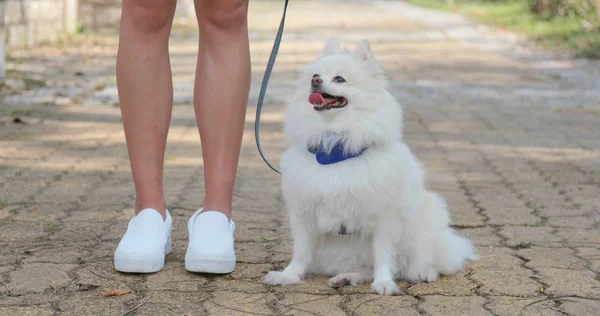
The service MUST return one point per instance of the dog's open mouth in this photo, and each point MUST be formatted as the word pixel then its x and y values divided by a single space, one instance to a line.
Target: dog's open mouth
pixel 323 101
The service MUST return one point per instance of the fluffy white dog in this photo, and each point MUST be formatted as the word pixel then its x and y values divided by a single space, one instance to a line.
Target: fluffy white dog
pixel 355 193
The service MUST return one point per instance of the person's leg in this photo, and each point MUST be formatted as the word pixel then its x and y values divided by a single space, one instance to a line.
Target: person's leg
pixel 220 99
pixel 221 94
pixel 146 94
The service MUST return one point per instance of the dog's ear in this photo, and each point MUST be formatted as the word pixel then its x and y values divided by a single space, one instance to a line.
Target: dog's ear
pixel 363 52
pixel 332 47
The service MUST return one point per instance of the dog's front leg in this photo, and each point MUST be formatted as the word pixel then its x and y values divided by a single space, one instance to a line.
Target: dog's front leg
pixel 384 263
pixel 303 236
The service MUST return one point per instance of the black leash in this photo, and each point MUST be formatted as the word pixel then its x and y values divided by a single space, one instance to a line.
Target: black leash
pixel 265 82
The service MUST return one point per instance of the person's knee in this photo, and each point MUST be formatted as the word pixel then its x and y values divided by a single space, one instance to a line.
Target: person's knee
pixel 224 14
pixel 149 16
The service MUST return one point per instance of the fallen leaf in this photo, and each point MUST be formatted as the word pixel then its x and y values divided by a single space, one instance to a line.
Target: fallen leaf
pixel 116 292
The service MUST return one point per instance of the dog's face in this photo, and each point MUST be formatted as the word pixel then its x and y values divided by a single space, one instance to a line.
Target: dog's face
pixel 341 80
pixel 342 93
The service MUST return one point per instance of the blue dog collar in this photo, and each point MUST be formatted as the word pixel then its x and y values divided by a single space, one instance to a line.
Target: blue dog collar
pixel 336 155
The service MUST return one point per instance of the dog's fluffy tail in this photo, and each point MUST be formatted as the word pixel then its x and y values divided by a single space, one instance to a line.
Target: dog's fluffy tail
pixel 454 250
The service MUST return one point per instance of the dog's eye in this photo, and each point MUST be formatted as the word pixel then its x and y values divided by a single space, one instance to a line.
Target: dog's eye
pixel 339 79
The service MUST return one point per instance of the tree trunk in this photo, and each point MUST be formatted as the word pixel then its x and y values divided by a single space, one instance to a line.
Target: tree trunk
pixel 70 16
pixel 542 6
pixel 2 56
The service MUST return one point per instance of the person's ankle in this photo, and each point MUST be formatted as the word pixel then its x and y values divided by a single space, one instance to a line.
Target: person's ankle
pixel 217 207
pixel 160 206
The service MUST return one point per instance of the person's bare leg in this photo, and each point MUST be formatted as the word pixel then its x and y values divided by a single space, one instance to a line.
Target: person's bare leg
pixel 146 94
pixel 221 94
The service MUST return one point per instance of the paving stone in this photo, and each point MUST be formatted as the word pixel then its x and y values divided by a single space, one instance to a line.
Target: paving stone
pixel 513 149
pixel 569 282
pixel 562 208
pixel 37 277
pixel 462 211
pixel 508 306
pixel 483 236
pixel 511 215
pixel 307 304
pixel 174 277
pixel 8 256
pixel 591 255
pixel 373 304
pixel 8 211
pixel 578 306
pixel 102 273
pixel 539 257
pixel 252 252
pixel 444 305
pixel 176 307
pixel 245 277
pixel 69 253
pixel 250 271
pixel 574 221
pixel 252 232
pixel 27 310
pixel 78 231
pixel 4 269
pixel 455 285
pixel 314 285
pixel 50 212
pixel 18 231
pixel 499 273
pixel 79 302
pixel 524 236
pixel 236 303
pixel 579 237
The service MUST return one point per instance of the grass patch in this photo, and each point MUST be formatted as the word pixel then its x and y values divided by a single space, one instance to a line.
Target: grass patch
pixel 264 239
pixel 523 245
pixel 80 29
pixel 3 202
pixel 31 83
pixel 50 225
pixel 532 225
pixel 563 33
pixel 100 86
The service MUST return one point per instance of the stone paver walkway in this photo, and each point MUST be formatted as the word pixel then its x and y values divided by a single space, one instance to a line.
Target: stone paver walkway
pixel 512 142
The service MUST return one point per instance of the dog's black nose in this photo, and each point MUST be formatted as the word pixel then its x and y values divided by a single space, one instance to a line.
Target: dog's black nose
pixel 316 81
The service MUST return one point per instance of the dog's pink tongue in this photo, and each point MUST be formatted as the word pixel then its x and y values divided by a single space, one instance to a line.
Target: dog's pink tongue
pixel 316 98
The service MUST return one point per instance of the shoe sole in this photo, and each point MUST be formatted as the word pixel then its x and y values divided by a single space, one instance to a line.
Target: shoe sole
pixel 203 265
pixel 147 264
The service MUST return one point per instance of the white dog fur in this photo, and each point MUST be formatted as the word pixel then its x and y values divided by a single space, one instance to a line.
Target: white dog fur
pixel 398 229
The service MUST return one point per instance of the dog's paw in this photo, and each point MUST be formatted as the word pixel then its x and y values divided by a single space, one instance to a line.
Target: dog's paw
pixel 345 279
pixel 416 274
pixel 385 287
pixel 281 278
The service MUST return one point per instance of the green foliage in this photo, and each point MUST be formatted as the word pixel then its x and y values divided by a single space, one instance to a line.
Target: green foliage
pixel 80 28
pixel 523 245
pixel 562 24
pixel 49 225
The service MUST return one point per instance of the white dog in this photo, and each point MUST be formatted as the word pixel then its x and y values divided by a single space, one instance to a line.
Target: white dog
pixel 356 197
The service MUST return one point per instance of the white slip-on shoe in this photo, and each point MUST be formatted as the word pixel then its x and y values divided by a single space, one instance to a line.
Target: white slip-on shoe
pixel 145 244
pixel 210 248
